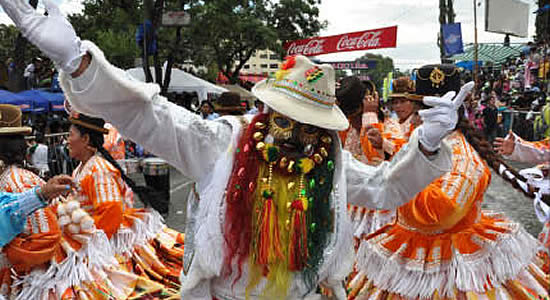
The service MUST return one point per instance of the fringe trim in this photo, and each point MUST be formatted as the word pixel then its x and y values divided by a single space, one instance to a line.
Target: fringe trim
pixel 144 229
pixel 498 262
pixel 74 270
pixel 366 221
pixel 4 262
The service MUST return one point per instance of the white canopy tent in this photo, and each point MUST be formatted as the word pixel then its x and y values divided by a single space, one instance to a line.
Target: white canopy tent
pixel 182 81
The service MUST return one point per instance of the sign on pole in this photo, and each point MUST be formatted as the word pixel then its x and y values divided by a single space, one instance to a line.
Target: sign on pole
pixel 354 41
pixel 352 65
pixel 452 39
pixel 176 18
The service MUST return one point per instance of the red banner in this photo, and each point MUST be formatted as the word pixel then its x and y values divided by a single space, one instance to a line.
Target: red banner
pixel 354 41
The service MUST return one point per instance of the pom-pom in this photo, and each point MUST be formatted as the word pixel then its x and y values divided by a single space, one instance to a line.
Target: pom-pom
pixel 64 220
pixel 87 223
pixel 72 206
pixel 61 209
pixel 74 228
pixel 77 215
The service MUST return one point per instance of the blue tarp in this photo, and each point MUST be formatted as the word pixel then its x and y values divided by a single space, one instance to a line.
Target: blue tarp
pixel 468 65
pixel 39 103
pixel 56 100
pixel 7 97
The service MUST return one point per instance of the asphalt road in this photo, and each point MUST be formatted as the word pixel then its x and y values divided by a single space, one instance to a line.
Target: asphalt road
pixel 499 197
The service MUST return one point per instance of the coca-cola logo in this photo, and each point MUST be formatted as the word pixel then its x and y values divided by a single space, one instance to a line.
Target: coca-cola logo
pixel 313 47
pixel 365 41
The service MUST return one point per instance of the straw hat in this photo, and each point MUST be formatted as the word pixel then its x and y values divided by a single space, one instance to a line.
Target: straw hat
pixel 303 91
pixel 10 121
pixel 95 124
pixel 404 87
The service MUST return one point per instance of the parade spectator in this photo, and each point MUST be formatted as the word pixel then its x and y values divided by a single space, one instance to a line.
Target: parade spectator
pixel 207 111
pixel 30 74
pixel 38 153
pixel 490 118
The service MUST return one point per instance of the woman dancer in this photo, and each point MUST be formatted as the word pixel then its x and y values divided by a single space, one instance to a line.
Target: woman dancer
pixel 442 245
pixel 142 243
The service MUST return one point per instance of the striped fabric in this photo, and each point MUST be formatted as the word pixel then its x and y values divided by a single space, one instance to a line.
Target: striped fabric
pixel 99 184
pixel 17 180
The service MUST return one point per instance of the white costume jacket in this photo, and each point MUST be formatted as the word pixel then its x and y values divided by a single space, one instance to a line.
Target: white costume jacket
pixel 203 150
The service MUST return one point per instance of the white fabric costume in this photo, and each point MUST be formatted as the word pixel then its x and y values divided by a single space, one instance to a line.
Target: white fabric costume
pixel 204 151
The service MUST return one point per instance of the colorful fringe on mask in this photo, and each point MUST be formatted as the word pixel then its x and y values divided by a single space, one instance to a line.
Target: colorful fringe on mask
pixel 279 239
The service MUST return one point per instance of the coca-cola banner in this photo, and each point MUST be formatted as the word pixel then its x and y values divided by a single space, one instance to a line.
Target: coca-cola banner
pixel 362 40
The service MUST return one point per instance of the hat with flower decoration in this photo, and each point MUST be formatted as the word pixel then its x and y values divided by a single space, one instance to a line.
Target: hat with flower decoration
pixel 305 92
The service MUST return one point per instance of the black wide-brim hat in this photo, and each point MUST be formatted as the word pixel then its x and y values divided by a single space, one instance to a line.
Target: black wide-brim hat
pixel 437 80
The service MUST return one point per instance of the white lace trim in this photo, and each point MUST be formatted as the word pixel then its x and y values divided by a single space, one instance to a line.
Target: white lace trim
pixel 497 262
pixel 142 231
pixel 72 271
pixel 366 221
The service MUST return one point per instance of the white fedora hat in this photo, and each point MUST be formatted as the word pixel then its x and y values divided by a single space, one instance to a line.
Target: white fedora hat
pixel 305 92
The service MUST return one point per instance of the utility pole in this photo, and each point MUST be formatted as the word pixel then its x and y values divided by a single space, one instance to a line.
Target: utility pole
pixel 475 46
pixel 442 21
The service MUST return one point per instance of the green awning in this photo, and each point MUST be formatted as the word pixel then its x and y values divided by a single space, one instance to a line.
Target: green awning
pixel 495 53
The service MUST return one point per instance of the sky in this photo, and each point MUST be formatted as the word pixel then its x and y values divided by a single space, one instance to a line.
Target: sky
pixel 418 26
pixel 417 21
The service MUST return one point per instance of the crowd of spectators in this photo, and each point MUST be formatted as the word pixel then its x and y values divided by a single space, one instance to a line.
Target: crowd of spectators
pixel 514 96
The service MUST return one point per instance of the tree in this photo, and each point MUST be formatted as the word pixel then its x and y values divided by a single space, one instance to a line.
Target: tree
pixel 223 32
pixel 384 65
pixel 232 30
pixel 542 22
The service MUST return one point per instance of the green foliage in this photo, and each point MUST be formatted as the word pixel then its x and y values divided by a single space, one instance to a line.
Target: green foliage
pixel 542 22
pixel 230 31
pixel 119 47
pixel 383 66
pixel 224 32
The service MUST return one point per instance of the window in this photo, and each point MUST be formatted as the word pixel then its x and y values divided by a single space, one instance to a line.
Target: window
pixel 274 56
pixel 263 55
pixel 246 67
pixel 263 66
pixel 274 66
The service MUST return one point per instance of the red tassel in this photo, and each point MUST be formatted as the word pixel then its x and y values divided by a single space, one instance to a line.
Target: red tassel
pixel 297 250
pixel 269 242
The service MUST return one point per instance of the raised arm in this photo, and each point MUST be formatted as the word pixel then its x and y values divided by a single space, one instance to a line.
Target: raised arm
pixel 97 88
pixel 416 165
pixel 183 138
pixel 515 148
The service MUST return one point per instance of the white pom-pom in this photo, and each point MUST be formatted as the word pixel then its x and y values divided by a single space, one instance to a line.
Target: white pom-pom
pixel 61 209
pixel 87 223
pixel 77 215
pixel 74 228
pixel 72 206
pixel 64 220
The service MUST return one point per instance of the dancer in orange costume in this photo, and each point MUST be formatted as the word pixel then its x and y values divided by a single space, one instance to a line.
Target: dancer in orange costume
pixel 139 238
pixel 442 245
pixel 48 258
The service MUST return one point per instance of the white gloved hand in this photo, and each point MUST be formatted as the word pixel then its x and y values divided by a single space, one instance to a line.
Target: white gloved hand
pixel 52 34
pixel 441 119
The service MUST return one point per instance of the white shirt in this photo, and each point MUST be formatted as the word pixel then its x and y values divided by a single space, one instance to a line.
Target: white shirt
pixel 29 70
pixel 39 158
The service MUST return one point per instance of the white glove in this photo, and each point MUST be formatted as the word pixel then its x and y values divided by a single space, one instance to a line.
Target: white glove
pixel 441 119
pixel 52 34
